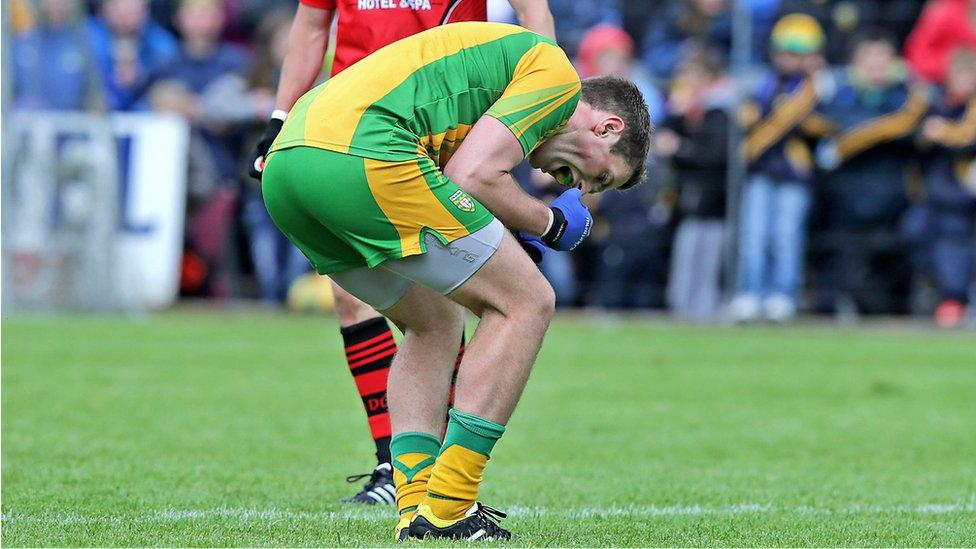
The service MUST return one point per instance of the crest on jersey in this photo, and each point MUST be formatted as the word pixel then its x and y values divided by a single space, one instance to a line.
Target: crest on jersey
pixel 463 202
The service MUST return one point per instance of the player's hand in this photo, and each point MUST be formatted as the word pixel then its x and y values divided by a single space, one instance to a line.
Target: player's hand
pixel 532 245
pixel 827 155
pixel 571 221
pixel 934 128
pixel 271 131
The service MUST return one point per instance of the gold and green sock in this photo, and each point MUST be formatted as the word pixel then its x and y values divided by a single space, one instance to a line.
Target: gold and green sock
pixel 413 458
pixel 456 476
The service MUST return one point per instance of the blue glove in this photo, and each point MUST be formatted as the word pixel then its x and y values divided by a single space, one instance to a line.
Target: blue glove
pixel 532 245
pixel 571 221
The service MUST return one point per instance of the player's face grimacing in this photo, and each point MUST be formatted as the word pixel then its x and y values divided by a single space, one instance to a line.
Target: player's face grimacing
pixel 579 156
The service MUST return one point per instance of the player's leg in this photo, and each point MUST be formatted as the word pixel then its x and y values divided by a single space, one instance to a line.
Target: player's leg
pixel 515 304
pixel 419 387
pixel 420 378
pixel 370 348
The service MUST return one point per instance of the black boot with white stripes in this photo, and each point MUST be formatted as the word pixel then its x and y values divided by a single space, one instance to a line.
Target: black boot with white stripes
pixel 480 523
pixel 379 490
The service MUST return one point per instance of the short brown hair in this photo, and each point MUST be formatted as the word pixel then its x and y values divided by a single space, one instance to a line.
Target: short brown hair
pixel 622 98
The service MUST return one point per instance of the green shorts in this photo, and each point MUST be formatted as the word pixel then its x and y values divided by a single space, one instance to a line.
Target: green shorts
pixel 346 212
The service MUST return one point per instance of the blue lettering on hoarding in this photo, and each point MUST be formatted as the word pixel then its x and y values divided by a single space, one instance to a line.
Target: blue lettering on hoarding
pixel 127 223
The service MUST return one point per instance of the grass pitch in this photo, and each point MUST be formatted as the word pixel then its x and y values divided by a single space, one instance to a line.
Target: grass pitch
pixel 237 430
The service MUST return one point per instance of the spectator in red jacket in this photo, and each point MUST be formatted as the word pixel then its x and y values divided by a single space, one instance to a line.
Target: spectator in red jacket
pixel 945 26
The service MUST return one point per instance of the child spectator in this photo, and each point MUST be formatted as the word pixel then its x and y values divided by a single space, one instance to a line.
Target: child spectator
pixel 876 109
pixel 128 46
pixel 777 194
pixel 949 137
pixel 694 138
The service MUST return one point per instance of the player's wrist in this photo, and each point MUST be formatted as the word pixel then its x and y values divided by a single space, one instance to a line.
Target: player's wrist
pixel 272 130
pixel 572 221
pixel 556 227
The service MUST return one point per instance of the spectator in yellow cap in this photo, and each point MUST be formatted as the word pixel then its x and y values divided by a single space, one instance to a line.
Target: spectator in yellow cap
pixel 776 197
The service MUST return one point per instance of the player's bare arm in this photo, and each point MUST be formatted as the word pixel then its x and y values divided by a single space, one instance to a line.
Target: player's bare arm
pixel 307 42
pixel 482 166
pixel 535 16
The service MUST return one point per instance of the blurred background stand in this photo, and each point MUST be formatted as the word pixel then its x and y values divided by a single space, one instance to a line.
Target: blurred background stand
pixel 92 211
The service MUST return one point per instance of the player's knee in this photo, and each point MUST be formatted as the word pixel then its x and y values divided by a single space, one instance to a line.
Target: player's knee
pixel 435 322
pixel 545 300
pixel 451 320
pixel 350 309
pixel 535 304
pixel 441 332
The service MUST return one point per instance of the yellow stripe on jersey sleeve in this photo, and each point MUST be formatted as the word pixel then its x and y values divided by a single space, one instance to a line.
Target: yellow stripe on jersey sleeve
pixel 544 81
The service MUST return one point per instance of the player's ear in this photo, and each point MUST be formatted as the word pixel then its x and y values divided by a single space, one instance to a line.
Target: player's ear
pixel 610 125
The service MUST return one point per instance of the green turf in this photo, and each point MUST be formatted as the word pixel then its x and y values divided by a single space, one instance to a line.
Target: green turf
pixel 193 429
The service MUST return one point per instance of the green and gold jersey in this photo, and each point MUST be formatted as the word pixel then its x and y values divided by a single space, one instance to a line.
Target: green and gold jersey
pixel 421 95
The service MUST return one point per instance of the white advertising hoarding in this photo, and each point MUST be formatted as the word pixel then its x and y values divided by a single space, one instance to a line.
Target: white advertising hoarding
pixel 93 211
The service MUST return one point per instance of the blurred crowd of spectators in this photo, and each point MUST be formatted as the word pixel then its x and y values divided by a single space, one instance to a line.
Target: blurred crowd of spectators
pixel 850 126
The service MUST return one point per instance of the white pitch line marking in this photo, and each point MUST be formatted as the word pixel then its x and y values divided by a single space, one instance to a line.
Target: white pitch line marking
pixel 166 516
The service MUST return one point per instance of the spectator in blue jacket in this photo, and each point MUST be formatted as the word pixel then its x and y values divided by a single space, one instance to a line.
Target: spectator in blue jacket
pixel 875 108
pixel 574 18
pixel 780 119
pixel 686 23
pixel 948 139
pixel 128 46
pixel 181 86
pixel 201 60
pixel 53 66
